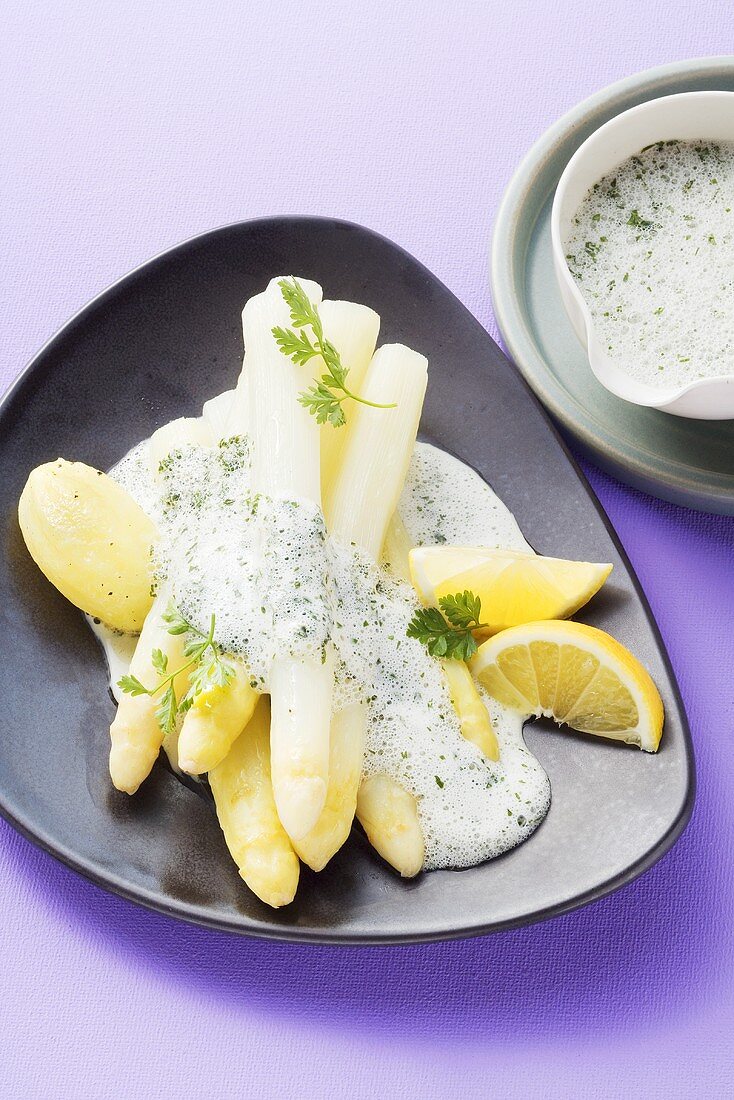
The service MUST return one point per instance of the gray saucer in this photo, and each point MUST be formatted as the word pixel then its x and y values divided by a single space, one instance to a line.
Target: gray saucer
pixel 689 462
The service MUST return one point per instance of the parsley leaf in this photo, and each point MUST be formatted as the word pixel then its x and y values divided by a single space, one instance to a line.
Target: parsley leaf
pixel 159 660
pixel 323 404
pixel 132 686
pixel 462 609
pixel 448 632
pixel 206 666
pixel 638 222
pixel 167 709
pixel 429 627
pixel 325 398
pixel 176 623
pixel 303 312
pixel 296 345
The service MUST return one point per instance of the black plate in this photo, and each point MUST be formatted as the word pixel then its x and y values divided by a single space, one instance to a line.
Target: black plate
pixel 155 346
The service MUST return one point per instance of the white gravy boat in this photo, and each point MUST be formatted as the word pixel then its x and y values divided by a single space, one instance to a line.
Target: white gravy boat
pixel 688 116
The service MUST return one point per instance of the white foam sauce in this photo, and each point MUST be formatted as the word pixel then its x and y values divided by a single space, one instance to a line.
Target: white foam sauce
pixel 652 250
pixel 118 650
pixel 277 583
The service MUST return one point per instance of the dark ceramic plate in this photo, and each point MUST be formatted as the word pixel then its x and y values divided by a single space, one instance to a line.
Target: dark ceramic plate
pixel 155 346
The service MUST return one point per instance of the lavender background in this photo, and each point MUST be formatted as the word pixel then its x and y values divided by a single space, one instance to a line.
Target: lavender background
pixel 128 127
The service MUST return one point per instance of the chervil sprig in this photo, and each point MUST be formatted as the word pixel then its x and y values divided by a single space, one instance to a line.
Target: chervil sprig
pixel 205 665
pixel 448 632
pixel 325 398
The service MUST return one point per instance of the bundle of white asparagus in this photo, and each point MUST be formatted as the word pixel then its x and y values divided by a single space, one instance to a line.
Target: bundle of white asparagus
pixel 286 776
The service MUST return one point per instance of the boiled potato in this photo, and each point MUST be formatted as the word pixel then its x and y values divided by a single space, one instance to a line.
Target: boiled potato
pixel 93 542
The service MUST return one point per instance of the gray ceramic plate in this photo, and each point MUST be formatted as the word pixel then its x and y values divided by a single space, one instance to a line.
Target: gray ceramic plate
pixel 155 346
pixel 690 462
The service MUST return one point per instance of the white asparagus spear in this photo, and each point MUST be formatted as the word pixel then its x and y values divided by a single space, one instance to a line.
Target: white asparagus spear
pixel 218 717
pixel 179 433
pixel 360 500
pixel 202 729
pixel 386 811
pixel 397 546
pixel 213 723
pixel 389 816
pixel 218 412
pixel 135 733
pixel 346 753
pixel 243 796
pixel 353 330
pixel 286 465
pixel 373 526
pixel 474 720
pixel 377 451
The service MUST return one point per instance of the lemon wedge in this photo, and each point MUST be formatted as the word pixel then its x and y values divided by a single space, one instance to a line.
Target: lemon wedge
pixel 574 674
pixel 514 587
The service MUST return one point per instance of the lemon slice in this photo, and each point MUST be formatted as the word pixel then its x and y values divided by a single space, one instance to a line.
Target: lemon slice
pixel 514 587
pixel 575 674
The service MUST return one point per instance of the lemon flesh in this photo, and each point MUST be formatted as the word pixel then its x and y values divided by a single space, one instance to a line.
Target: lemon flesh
pixel 575 674
pixel 514 587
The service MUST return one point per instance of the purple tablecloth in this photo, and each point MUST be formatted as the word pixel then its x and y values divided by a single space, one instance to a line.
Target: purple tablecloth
pixel 128 127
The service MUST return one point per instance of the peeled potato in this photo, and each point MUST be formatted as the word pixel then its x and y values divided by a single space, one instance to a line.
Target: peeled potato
pixel 93 542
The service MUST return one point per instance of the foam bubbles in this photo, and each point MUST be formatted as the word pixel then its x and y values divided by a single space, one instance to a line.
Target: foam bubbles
pixel 259 565
pixel 276 583
pixel 133 472
pixel 471 808
pixel 652 250
pixel 444 500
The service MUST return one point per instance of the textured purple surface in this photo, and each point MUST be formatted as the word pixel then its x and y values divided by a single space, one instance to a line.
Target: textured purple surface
pixel 124 133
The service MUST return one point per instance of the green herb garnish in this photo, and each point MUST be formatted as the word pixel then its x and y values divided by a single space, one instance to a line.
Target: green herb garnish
pixel 638 222
pixel 205 664
pixel 324 399
pixel 448 632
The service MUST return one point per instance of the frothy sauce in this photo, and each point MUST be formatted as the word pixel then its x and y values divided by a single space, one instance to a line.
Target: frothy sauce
pixel 277 583
pixel 652 250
